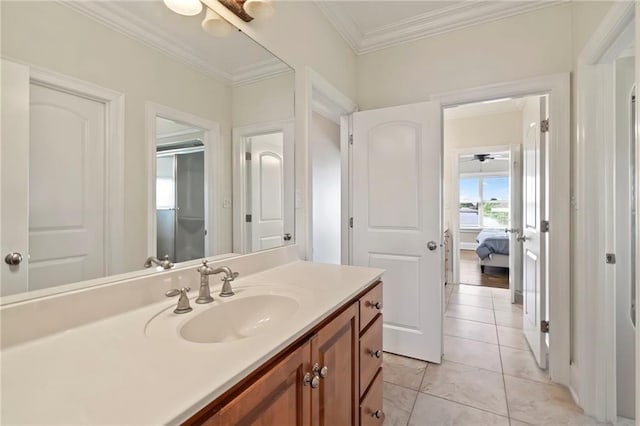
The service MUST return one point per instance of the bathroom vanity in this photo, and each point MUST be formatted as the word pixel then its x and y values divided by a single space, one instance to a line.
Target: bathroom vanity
pixel 118 354
pixel 331 376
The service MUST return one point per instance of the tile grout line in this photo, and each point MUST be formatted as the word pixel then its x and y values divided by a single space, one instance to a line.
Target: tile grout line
pixel 463 404
pixel 413 407
pixel 504 383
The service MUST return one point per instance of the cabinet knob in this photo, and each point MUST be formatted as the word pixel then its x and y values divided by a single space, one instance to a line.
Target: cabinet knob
pixel 376 354
pixel 311 380
pixel 322 372
pixel 376 305
pixel 377 414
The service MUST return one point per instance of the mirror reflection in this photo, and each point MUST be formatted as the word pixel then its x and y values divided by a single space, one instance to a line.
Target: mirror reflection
pixel 138 140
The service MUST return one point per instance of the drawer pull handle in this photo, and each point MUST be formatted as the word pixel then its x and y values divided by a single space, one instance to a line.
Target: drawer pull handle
pixel 311 380
pixel 376 305
pixel 376 354
pixel 377 414
pixel 322 372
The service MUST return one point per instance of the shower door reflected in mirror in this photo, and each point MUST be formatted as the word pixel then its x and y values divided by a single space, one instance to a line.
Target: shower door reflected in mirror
pixel 180 191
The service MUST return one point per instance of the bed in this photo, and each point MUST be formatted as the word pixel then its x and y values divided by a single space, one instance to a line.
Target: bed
pixel 493 248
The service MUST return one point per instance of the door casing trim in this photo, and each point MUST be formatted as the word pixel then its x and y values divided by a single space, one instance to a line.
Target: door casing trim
pixel 557 86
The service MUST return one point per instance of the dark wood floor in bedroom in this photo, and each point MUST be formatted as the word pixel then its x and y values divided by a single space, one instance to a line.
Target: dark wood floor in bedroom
pixel 470 272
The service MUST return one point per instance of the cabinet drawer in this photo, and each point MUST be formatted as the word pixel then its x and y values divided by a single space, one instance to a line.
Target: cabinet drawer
pixel 371 407
pixel 370 353
pixel 370 305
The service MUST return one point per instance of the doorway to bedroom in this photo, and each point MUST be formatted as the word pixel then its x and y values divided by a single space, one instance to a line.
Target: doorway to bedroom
pixel 483 190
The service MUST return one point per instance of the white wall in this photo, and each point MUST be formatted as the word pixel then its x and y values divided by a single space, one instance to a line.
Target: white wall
pixel 324 141
pixel 300 35
pixel 52 36
pixel 518 47
pixel 263 101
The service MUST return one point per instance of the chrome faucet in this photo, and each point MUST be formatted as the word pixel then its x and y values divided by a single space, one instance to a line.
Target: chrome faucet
pixel 204 295
pixel 165 263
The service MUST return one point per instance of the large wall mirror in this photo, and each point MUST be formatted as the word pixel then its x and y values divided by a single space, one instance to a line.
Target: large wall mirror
pixel 133 139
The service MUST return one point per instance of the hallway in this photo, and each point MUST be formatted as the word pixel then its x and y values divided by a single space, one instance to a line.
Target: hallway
pixel 488 375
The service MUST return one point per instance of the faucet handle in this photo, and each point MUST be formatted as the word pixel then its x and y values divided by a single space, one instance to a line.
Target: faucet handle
pixel 183 302
pixel 233 276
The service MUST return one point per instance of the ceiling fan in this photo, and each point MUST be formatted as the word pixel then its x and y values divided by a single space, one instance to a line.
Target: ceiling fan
pixel 484 157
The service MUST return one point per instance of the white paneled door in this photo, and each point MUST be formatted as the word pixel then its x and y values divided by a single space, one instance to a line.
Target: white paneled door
pixel 533 238
pixel 14 156
pixel 55 197
pixel 396 157
pixel 267 191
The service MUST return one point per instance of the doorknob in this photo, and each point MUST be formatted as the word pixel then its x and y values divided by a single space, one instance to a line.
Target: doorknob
pixel 432 245
pixel 13 258
pixel 511 230
pixel 522 238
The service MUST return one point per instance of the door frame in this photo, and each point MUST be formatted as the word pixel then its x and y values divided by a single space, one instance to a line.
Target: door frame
pixel 211 143
pixel 594 284
pixel 455 195
pixel 324 99
pixel 114 236
pixel 557 86
pixel 239 136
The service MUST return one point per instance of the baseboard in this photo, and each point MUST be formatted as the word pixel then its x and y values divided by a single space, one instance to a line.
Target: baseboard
pixel 518 296
pixel 468 246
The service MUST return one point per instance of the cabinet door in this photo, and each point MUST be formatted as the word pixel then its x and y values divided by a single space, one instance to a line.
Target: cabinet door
pixel 277 398
pixel 335 346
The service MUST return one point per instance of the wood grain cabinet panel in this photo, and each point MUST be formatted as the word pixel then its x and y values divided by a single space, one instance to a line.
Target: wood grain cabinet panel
pixel 370 305
pixel 335 347
pixel 370 353
pixel 371 413
pixel 279 397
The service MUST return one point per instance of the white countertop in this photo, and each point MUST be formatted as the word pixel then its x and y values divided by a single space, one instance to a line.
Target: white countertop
pixel 110 372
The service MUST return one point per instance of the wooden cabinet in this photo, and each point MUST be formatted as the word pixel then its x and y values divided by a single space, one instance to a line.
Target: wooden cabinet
pixel 279 397
pixel 335 346
pixel 371 357
pixel 316 381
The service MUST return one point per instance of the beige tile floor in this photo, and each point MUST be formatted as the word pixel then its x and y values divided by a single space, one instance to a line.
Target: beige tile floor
pixel 487 376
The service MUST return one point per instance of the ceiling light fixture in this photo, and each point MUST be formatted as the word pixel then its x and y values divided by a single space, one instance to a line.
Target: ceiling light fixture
pixel 184 7
pixel 260 9
pixel 216 25
pixel 236 6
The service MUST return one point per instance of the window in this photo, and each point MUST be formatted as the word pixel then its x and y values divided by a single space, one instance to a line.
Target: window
pixel 484 201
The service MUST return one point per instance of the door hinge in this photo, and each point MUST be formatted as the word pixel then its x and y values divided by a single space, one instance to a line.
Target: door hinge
pixel 350 222
pixel 544 326
pixel 544 126
pixel 610 258
pixel 544 226
pixel 247 156
pixel 351 139
pixel 247 218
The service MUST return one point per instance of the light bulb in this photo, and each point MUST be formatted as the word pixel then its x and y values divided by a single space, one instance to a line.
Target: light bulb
pixel 259 9
pixel 216 25
pixel 184 7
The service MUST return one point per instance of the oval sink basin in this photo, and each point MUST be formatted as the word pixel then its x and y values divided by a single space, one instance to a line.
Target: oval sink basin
pixel 238 319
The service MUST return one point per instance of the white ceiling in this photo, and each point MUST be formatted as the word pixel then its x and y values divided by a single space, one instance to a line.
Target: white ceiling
pixel 484 108
pixel 235 59
pixel 372 25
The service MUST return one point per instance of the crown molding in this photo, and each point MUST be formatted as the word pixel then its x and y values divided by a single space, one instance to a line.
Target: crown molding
pixel 260 71
pixel 450 18
pixel 117 18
